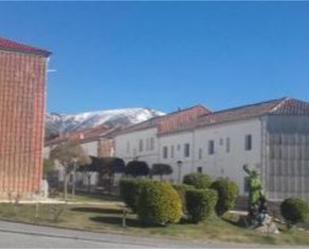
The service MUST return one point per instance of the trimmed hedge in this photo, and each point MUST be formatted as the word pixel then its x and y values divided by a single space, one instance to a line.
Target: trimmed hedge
pixel 130 190
pixel 159 204
pixel 294 211
pixel 227 194
pixel 181 190
pixel 201 203
pixel 198 180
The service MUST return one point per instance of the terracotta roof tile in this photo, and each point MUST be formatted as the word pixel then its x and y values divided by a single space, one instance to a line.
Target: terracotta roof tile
pixel 282 106
pixel 169 121
pixel 9 45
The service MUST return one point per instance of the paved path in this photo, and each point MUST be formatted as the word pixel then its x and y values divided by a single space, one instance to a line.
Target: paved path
pixel 16 235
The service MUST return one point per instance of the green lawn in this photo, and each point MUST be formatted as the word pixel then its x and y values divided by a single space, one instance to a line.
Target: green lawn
pixel 108 218
pixel 87 198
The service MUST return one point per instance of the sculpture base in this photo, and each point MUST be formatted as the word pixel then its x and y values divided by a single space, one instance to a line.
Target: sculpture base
pixel 268 229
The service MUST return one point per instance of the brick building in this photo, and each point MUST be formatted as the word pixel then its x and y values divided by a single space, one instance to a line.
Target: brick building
pixel 22 109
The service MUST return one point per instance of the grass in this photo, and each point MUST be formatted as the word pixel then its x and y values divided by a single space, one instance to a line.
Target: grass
pixel 87 198
pixel 102 218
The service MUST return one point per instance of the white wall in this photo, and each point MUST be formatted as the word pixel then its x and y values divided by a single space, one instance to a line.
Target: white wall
pixel 91 148
pixel 216 165
pixel 225 164
pixel 178 141
pixel 127 146
pixel 46 152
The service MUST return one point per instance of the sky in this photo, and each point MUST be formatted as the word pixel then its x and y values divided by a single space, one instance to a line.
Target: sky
pixel 165 55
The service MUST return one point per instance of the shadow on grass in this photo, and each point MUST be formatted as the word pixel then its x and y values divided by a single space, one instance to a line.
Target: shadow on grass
pixel 115 220
pixel 240 221
pixel 97 210
pixel 130 222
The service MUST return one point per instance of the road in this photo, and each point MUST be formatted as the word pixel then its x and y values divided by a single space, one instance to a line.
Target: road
pixel 16 235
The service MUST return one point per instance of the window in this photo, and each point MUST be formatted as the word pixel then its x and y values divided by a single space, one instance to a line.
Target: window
pixel 187 150
pixel 227 145
pixel 199 170
pixel 147 144
pixel 221 141
pixel 172 151
pixel 141 145
pixel 200 154
pixel 248 142
pixel 178 147
pixel 151 143
pixel 165 152
pixel 211 147
pixel 246 184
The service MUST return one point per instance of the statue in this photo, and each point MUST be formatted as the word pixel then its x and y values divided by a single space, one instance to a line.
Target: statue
pixel 258 215
pixel 257 207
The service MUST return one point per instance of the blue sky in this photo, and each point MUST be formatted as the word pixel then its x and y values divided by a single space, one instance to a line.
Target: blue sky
pixel 166 55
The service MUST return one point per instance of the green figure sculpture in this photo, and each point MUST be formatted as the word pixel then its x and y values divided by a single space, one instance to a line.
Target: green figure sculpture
pixel 257 200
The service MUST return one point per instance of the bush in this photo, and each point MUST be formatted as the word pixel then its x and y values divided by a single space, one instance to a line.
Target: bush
pixel 161 169
pixel 294 211
pixel 181 189
pixel 159 204
pixel 198 180
pixel 201 203
pixel 227 194
pixel 130 190
pixel 137 168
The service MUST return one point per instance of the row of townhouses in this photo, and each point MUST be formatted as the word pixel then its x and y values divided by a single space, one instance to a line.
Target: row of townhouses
pixel 271 137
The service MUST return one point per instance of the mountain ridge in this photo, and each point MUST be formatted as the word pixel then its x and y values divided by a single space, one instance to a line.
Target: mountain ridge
pixel 58 123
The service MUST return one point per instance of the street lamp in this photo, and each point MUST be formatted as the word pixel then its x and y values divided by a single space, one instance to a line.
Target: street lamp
pixel 179 164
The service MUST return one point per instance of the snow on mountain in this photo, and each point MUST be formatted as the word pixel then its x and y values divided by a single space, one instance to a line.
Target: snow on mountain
pixel 62 123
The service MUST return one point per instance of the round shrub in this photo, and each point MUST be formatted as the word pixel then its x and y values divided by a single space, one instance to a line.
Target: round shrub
pixel 161 169
pixel 137 168
pixel 130 190
pixel 181 190
pixel 294 211
pixel 159 204
pixel 201 203
pixel 198 180
pixel 227 194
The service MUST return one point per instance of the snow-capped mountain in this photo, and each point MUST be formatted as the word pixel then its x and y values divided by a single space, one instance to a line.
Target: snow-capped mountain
pixel 63 123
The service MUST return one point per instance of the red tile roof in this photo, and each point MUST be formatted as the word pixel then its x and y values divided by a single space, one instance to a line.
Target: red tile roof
pixel 282 106
pixel 86 135
pixel 290 106
pixel 169 121
pixel 9 45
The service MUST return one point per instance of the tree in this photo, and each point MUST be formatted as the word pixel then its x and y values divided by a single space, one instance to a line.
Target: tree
pixel 69 154
pixel 161 169
pixel 137 168
pixel 48 166
pixel 88 169
pixel 104 166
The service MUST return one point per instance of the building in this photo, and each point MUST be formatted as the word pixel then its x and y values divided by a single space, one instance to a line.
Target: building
pixel 142 141
pixel 96 142
pixel 271 137
pixel 22 110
